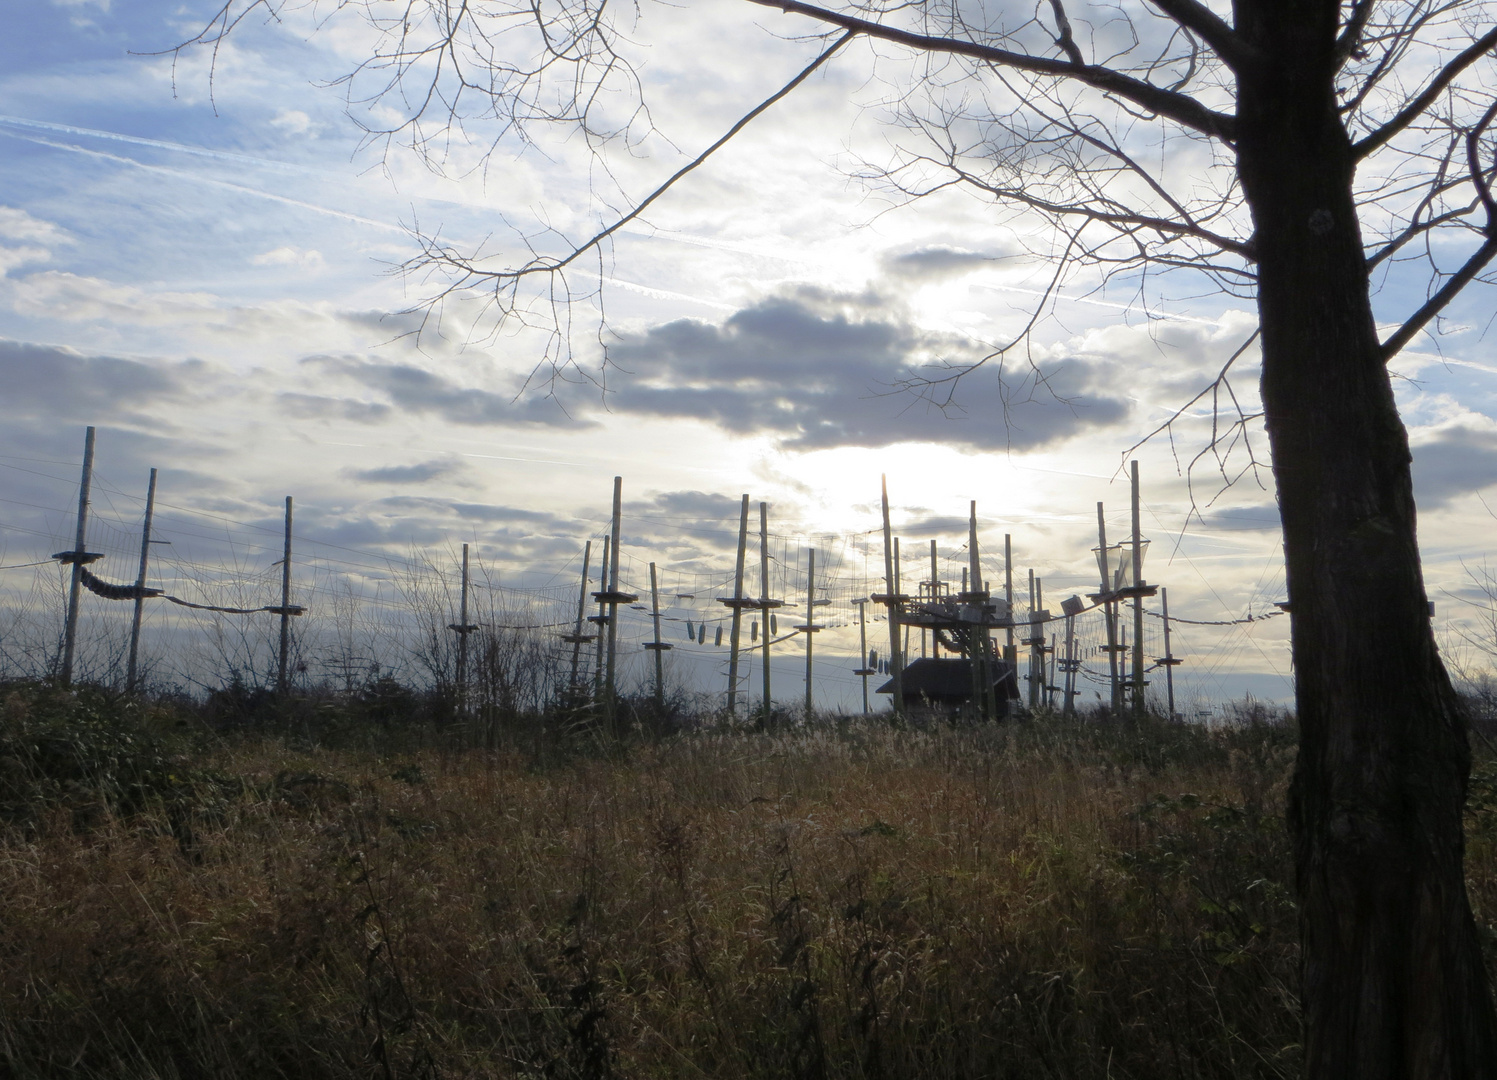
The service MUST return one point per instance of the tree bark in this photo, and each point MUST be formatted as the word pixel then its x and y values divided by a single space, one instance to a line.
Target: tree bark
pixel 1393 984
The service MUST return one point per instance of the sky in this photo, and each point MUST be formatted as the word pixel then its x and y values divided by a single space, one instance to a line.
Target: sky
pixel 207 266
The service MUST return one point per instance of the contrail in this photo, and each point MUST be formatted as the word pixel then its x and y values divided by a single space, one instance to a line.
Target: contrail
pixel 212 181
pixel 159 144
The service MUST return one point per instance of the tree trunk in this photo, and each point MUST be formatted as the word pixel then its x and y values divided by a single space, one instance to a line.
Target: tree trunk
pixel 1393 984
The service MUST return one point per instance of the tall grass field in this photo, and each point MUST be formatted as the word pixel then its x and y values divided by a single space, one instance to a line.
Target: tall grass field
pixel 185 897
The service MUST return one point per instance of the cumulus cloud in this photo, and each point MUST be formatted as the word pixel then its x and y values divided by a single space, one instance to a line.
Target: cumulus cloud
pixel 286 255
pixel 49 381
pixel 415 390
pixel 16 224
pixel 29 233
pixel 819 369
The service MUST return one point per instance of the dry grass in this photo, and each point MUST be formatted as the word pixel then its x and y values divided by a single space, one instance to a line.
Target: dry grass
pixel 1031 901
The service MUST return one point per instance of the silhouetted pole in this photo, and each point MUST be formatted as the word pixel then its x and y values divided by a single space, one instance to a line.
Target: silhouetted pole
pixel 935 590
pixel 657 646
pixel 892 602
pixel 810 628
pixel 1168 660
pixel 281 674
pixel 1104 564
pixel 865 669
pixel 462 628
pixel 1138 603
pixel 1068 707
pixel 613 589
pixel 736 603
pixel 601 618
pixel 140 584
pixel 77 557
pixel 977 596
pixel 1011 654
pixel 577 638
pixel 765 606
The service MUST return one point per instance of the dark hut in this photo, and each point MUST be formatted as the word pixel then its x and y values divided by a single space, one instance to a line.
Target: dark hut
pixel 942 688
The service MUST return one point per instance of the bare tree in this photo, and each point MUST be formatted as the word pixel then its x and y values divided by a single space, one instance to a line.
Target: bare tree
pixel 1292 153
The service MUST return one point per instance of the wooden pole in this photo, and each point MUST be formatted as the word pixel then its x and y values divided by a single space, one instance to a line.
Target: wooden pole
pixel 935 597
pixel 1033 643
pixel 1138 603
pixel 864 668
pixel 462 639
pixel 613 589
pixel 1108 612
pixel 658 647
pixel 1008 593
pixel 282 681
pixel 132 669
pixel 978 658
pixel 1068 707
pixel 578 637
pixel 810 627
pixel 603 620
pixel 78 557
pixel 895 660
pixel 1169 657
pixel 737 605
pixel 765 607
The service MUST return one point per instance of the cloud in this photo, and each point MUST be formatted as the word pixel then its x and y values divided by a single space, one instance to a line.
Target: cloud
pixel 1456 462
pixel 52 381
pixel 936 263
pixel 293 122
pixel 415 390
pixel 19 225
pixel 1263 517
pixel 290 256
pixel 418 473
pixel 818 369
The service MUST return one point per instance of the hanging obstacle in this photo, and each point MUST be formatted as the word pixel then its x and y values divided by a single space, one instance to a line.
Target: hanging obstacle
pixel 109 590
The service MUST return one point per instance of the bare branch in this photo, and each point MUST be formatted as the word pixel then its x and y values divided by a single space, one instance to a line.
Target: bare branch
pixel 1206 24
pixel 1411 112
pixel 1181 108
pixel 1436 303
pixel 1478 259
pixel 1066 40
pixel 541 265
pixel 1350 40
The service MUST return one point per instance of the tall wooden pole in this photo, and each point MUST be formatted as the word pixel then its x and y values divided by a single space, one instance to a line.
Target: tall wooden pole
pixel 1032 641
pixel 810 627
pixel 132 669
pixel 1008 595
pixel 935 597
pixel 895 661
pixel 613 589
pixel 1169 657
pixel 1138 603
pixel 1104 564
pixel 603 620
pixel 737 605
pixel 1068 706
pixel 865 669
pixel 282 685
pixel 765 608
pixel 78 558
pixel 657 646
pixel 981 682
pixel 578 637
pixel 462 639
